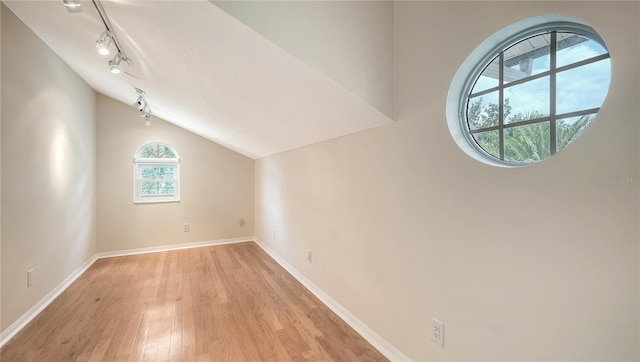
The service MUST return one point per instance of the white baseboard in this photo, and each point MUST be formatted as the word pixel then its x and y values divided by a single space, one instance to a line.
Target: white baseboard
pixel 27 317
pixel 376 341
pixel 155 249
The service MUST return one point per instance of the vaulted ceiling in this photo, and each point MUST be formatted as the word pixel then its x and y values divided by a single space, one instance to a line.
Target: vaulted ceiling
pixel 259 78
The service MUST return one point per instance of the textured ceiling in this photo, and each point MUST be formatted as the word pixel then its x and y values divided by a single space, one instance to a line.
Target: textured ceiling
pixel 205 71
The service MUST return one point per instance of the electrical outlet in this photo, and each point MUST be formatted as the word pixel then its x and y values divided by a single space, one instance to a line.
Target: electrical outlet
pixel 241 222
pixel 29 277
pixel 186 227
pixel 437 332
pixel 310 257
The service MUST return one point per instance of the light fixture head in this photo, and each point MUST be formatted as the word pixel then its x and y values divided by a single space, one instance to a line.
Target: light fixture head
pixel 73 6
pixel 141 102
pixel 143 107
pixel 102 44
pixel 103 49
pixel 147 116
pixel 114 64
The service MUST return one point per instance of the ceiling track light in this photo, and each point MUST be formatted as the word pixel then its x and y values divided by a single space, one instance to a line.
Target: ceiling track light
pixel 140 103
pixel 114 64
pixel 72 6
pixel 108 37
pixel 147 118
pixel 142 106
pixel 145 112
pixel 102 44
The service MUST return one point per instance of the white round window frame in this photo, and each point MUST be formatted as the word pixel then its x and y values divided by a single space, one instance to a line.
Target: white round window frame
pixel 472 67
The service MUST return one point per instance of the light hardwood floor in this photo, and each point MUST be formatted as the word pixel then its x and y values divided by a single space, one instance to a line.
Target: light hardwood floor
pixel 220 303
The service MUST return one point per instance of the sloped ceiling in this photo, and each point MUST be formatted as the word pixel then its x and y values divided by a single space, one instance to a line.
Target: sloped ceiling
pixel 351 42
pixel 205 71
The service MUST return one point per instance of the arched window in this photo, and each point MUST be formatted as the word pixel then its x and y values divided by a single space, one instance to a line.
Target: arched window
pixel 156 174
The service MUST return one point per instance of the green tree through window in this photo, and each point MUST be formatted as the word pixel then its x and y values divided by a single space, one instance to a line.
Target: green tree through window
pixel 157 150
pixel 527 143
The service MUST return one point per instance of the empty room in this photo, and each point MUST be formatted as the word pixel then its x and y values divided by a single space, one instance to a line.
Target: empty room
pixel 319 180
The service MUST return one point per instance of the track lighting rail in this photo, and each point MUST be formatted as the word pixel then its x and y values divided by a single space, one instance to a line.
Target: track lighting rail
pixel 109 29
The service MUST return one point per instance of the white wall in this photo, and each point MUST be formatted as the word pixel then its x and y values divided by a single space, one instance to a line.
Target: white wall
pixel 48 169
pixel 216 185
pixel 535 263
pixel 1 11
pixel 57 137
pixel 351 42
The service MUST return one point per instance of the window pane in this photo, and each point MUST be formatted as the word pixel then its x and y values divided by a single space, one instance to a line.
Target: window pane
pixel 488 78
pixel 583 87
pixel 529 143
pixel 157 188
pixel 527 57
pixel 569 129
pixel 149 188
pixel 529 100
pixel 489 141
pixel 482 112
pixel 573 48
pixel 166 188
pixel 156 150
pixel 162 172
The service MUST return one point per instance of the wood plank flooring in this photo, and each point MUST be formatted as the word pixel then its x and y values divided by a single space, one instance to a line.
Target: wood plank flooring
pixel 220 303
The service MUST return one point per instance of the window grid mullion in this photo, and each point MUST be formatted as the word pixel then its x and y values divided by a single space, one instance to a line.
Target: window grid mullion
pixel 552 93
pixel 501 104
pixel 583 112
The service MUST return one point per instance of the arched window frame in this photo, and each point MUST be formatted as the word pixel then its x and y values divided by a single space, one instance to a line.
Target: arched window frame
pixel 166 189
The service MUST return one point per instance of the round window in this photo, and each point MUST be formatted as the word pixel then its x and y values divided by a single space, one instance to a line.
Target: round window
pixel 530 96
